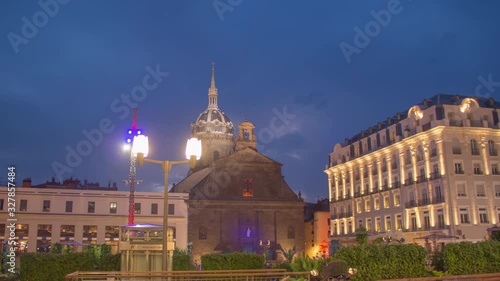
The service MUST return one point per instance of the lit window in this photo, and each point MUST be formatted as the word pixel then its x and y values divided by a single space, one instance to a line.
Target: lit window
pixel 46 205
pixel 464 215
pixel 112 207
pixel 91 207
pixel 461 190
pixel 247 187
pixel 137 208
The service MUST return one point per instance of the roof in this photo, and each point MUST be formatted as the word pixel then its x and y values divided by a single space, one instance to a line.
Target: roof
pixel 439 99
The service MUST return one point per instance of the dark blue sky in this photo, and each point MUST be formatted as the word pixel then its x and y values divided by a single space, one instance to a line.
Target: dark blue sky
pixel 63 78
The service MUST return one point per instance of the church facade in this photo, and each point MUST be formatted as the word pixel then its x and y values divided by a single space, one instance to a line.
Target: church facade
pixel 238 198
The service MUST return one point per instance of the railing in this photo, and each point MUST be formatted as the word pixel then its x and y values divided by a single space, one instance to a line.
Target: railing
pixel 421 179
pixel 424 202
pixel 435 176
pixel 474 152
pixel 396 184
pixel 423 228
pixel 459 172
pixel 478 172
pixel 408 181
pixel 493 152
pixel 457 123
pixel 457 150
pixel 234 275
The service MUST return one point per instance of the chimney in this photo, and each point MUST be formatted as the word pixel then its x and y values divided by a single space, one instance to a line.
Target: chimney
pixel 27 182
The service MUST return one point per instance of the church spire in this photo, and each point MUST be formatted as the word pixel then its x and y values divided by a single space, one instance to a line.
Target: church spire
pixel 212 91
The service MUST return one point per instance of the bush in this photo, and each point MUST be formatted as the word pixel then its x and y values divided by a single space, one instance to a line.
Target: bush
pixel 53 267
pixel 182 260
pixel 472 258
pixel 232 261
pixel 375 262
pixel 110 263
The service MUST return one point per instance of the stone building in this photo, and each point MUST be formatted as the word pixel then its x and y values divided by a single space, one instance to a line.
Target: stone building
pixel 431 170
pixel 238 198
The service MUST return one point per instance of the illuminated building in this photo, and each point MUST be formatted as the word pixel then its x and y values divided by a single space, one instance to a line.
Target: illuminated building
pixel 53 213
pixel 432 169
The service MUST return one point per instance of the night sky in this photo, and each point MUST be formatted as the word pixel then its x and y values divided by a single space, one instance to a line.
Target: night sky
pixel 307 74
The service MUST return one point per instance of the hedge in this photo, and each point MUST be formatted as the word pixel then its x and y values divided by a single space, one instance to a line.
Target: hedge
pixel 374 262
pixel 471 258
pixel 53 267
pixel 232 261
pixel 182 261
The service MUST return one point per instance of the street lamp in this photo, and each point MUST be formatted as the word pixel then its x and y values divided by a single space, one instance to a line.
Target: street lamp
pixel 140 147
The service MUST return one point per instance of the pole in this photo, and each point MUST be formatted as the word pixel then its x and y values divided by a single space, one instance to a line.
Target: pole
pixel 167 263
pixel 131 205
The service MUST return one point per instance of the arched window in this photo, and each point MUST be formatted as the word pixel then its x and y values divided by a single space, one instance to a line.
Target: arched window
pixel 455 144
pixel 216 155
pixel 420 153
pixel 384 165
pixel 374 167
pixel 474 148
pixel 407 157
pixel 491 148
pixel 433 149
pixel 202 233
pixel 394 161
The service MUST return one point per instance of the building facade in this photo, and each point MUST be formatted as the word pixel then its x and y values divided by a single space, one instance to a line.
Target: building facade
pixel 432 169
pixel 46 216
pixel 238 198
pixel 317 229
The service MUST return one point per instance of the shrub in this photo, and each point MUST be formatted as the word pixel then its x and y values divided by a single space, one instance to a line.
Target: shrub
pixel 53 267
pixel 182 260
pixel 375 262
pixel 110 263
pixel 232 261
pixel 472 258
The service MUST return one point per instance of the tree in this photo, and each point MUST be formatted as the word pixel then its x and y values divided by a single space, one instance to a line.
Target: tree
pixel 361 236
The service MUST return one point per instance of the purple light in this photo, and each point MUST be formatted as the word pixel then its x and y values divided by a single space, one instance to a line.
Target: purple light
pixel 129 132
pixel 138 132
pixel 129 140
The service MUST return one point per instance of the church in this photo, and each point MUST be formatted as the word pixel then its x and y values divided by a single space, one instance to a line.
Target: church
pixel 239 200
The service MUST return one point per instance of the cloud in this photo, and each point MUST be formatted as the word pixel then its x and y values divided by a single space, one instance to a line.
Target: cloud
pixel 293 154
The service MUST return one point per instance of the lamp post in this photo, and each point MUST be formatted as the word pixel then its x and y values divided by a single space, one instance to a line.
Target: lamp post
pixel 140 147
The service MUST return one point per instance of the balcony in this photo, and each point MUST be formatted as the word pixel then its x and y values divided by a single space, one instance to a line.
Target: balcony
pixel 385 187
pixel 495 172
pixel 442 227
pixel 456 123
pixel 457 150
pixel 421 178
pixel 357 194
pixel 408 181
pixel 459 172
pixel 493 152
pixel 396 184
pixel 474 152
pixel 478 172
pixel 435 176
pixel 424 202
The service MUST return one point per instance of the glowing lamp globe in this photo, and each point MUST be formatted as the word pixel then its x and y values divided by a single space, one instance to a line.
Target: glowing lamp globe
pixel 140 145
pixel 193 148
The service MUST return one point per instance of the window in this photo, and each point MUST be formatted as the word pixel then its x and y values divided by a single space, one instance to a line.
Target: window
pixel 44 230
pixel 23 207
pixel 137 208
pixel 483 215
pixel 480 190
pixel 458 168
pixel 367 205
pixel 291 232
pixel 171 209
pixel 368 225
pixel 399 222
pixel 360 223
pixel 247 187
pixel 457 150
pixel 112 232
pixel 438 194
pixel 433 149
pixel 477 169
pixel 491 148
pixel 461 191
pixel 397 200
pixel 497 190
pixel 154 208
pixel 358 207
pixel 67 231
pixel 202 233
pixel 377 224
pixel 1 204
pixel 2 230
pixel 413 217
pixel 494 169
pixel 69 206
pixel 427 222
pixel 464 215
pixel 440 219
pixel 387 223
pixel 46 206
pixel 386 202
pixel 474 149
pixel 420 153
pixel 91 207
pixel 407 157
pixel 112 207
pixel 89 231
pixel 376 204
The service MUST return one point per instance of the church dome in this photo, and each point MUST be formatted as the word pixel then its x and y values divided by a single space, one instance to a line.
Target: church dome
pixel 212 120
